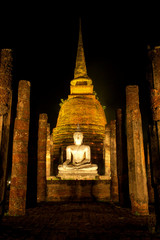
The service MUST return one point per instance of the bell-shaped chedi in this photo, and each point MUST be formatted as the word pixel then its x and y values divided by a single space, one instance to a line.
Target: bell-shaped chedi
pixel 81 108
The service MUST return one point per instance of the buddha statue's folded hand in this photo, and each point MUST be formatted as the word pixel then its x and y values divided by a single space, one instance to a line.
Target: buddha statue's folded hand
pixel 66 163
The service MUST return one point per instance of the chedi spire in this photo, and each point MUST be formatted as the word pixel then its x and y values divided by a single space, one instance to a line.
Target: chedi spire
pixel 80 68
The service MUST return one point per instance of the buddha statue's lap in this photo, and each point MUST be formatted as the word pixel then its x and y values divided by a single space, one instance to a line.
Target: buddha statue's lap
pixel 78 156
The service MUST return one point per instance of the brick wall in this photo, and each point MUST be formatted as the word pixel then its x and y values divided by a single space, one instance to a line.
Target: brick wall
pixel 63 190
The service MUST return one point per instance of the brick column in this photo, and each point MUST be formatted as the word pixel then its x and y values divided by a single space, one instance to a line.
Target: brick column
pixel 153 76
pixel 41 166
pixel 5 79
pixel 107 153
pixel 136 159
pixel 18 189
pixel 5 116
pixel 154 156
pixel 154 80
pixel 52 156
pixel 154 150
pixel 1 127
pixel 122 164
pixel 114 177
pixel 149 178
pixel 48 152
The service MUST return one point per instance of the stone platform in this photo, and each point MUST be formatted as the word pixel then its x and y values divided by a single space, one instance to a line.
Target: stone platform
pixel 78 190
pixel 78 176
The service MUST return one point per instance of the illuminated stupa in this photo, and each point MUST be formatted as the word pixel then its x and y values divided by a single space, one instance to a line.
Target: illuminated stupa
pixel 81 108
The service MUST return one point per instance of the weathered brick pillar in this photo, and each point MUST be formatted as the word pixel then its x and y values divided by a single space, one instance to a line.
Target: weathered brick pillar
pixel 48 152
pixel 155 88
pixel 5 79
pixel 149 178
pixel 107 152
pixel 18 189
pixel 154 80
pixel 5 116
pixel 154 55
pixel 52 156
pixel 122 164
pixel 114 177
pixel 154 150
pixel 1 127
pixel 154 156
pixel 41 166
pixel 136 159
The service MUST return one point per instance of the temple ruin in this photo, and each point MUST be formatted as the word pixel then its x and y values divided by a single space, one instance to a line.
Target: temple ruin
pixel 81 108
pixel 115 150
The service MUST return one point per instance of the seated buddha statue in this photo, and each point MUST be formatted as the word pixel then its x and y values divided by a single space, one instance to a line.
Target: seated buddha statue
pixel 78 156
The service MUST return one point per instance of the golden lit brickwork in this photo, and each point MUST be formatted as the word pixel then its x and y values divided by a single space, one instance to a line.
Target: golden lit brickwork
pixel 88 112
pixel 84 109
pixel 135 148
pixel 81 89
pixel 80 69
pixel 81 84
pixel 48 151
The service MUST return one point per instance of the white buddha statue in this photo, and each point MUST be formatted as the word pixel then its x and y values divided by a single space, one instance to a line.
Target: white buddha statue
pixel 78 156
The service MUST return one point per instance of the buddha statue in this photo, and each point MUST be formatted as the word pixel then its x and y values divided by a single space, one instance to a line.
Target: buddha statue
pixel 78 157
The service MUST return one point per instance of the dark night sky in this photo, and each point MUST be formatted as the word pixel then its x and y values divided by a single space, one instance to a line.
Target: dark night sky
pixel 44 39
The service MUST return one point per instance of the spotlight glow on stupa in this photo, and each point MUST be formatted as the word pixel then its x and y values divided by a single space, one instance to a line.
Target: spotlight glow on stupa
pixel 81 108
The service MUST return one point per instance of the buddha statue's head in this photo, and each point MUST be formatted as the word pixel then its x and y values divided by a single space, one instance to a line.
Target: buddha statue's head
pixel 78 136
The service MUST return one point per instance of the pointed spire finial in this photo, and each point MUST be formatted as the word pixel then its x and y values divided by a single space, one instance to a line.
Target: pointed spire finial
pixel 80 69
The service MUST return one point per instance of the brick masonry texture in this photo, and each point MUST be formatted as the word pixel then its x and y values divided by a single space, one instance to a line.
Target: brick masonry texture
pixel 41 167
pixel 89 114
pixel 79 190
pixel 17 199
pixel 5 116
pixel 107 154
pixel 136 160
pixel 114 177
pixel 122 163
pixel 5 79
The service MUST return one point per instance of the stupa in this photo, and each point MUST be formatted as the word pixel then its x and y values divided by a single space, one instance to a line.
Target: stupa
pixel 81 108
